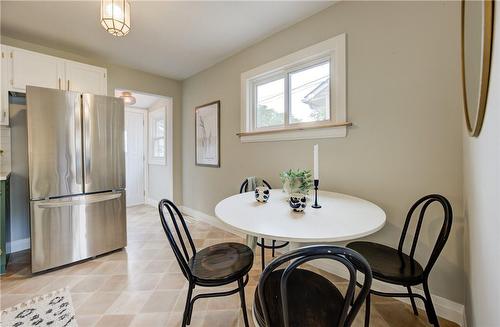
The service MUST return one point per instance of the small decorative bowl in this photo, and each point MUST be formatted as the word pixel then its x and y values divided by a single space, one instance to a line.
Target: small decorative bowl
pixel 262 194
pixel 297 202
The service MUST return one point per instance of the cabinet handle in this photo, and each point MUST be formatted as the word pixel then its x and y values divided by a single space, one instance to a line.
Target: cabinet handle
pixel 59 83
pixel 68 85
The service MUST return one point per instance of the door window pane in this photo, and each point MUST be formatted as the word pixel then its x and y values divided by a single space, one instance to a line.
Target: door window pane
pixel 159 127
pixel 159 137
pixel 159 147
pixel 310 94
pixel 270 104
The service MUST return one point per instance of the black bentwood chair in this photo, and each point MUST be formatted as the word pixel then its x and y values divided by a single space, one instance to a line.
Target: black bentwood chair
pixel 395 267
pixel 262 244
pixel 297 297
pixel 216 265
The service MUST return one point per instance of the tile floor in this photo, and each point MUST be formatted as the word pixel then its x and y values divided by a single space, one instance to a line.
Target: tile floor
pixel 143 286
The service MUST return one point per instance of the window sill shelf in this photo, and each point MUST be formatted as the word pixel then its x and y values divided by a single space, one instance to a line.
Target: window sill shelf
pixel 299 133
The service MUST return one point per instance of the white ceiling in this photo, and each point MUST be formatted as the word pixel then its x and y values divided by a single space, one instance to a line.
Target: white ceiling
pixel 172 39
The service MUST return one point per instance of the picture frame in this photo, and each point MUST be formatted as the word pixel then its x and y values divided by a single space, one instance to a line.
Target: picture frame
pixel 207 135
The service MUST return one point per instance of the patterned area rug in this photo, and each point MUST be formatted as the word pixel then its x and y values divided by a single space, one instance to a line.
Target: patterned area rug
pixel 54 309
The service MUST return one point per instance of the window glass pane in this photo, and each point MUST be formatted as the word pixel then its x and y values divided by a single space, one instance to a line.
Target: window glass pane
pixel 159 148
pixel 270 104
pixel 310 94
pixel 159 127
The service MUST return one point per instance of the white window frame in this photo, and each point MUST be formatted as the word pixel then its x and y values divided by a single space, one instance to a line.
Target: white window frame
pixel 155 115
pixel 333 50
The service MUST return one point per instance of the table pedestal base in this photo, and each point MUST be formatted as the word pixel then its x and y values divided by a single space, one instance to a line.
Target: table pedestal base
pixel 252 242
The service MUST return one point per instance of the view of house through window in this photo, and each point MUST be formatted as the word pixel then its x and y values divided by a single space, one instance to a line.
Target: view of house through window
pixel 271 104
pixel 300 96
pixel 310 94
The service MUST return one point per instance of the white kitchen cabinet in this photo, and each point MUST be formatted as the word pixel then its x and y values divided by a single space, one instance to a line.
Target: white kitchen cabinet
pixel 32 68
pixel 85 78
pixel 5 74
pixel 20 68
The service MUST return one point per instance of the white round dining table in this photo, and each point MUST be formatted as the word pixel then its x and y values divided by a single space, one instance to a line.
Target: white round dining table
pixel 342 217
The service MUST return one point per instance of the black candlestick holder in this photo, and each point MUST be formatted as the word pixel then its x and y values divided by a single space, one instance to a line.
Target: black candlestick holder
pixel 316 184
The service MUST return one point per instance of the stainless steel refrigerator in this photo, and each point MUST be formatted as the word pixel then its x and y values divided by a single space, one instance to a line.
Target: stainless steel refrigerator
pixel 76 159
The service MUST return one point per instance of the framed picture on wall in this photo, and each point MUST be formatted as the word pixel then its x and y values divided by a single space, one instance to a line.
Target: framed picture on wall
pixel 207 135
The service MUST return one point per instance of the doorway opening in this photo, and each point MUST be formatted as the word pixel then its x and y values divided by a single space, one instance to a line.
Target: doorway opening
pixel 148 147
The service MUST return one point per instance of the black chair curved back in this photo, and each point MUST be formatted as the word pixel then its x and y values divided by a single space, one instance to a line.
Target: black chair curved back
pixel 349 258
pixel 243 187
pixel 425 202
pixel 178 246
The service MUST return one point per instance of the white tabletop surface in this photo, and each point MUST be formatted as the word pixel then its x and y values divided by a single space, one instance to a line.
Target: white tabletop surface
pixel 342 217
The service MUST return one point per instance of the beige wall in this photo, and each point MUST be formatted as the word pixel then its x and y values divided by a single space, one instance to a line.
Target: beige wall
pixel 403 98
pixel 482 206
pixel 127 78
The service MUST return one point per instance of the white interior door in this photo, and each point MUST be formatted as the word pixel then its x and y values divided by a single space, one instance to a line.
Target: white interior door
pixel 134 157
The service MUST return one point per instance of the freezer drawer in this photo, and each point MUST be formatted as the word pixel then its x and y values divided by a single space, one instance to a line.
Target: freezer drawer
pixel 70 229
pixel 103 143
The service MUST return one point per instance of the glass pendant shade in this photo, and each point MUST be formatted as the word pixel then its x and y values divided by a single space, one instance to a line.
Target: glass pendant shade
pixel 115 16
pixel 128 98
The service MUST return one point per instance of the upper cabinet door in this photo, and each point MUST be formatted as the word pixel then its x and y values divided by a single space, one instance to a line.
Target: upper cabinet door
pixel 6 73
pixel 85 78
pixel 31 68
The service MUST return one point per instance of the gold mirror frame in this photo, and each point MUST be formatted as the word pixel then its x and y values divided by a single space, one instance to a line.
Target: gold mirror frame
pixel 485 66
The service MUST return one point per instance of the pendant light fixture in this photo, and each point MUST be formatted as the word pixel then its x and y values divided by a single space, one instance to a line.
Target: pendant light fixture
pixel 127 97
pixel 115 16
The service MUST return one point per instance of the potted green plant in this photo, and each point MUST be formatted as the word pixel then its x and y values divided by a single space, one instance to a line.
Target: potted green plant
pixel 297 181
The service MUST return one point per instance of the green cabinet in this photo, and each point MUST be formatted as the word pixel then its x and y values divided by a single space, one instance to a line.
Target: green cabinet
pixel 4 216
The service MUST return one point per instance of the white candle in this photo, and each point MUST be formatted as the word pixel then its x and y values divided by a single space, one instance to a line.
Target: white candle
pixel 316 163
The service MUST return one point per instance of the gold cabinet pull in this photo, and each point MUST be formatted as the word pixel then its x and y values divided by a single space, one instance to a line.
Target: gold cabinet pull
pixel 59 83
pixel 68 85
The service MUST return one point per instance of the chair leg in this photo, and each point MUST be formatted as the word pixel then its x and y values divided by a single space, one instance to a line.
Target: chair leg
pixel 243 303
pixel 262 254
pixel 355 280
pixel 431 312
pixel 274 244
pixel 191 307
pixel 186 319
pixel 412 299
pixel 367 311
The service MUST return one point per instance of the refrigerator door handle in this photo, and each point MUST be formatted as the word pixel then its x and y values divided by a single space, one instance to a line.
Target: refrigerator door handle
pixel 78 140
pixel 83 200
pixel 86 136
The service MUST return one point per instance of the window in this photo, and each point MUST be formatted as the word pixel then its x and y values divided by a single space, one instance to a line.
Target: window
pixel 291 97
pixel 157 151
pixel 270 107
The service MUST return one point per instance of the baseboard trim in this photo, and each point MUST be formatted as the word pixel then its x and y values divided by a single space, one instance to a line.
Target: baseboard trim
pixel 445 308
pixel 151 202
pixel 18 245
